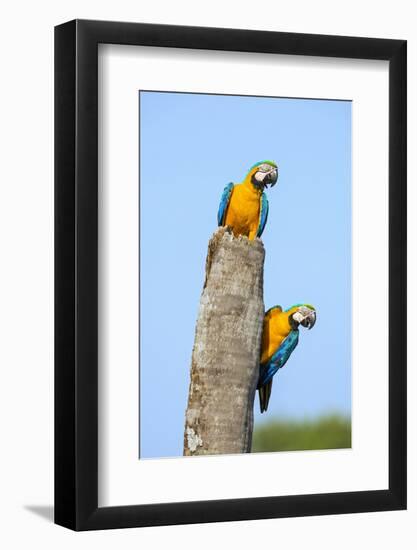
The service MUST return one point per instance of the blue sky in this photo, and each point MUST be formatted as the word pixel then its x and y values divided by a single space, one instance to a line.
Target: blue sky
pixel 191 146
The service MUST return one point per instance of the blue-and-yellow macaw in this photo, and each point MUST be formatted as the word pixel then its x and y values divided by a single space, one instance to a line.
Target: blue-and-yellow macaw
pixel 279 340
pixel 244 206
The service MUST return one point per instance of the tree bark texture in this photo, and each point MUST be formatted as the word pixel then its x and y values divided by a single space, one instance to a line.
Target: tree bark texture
pixel 225 357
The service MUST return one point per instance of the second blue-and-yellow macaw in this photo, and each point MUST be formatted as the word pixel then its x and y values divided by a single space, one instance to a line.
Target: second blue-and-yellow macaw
pixel 244 206
pixel 279 340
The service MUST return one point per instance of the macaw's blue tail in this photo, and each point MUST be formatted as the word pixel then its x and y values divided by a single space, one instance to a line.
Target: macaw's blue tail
pixel 264 395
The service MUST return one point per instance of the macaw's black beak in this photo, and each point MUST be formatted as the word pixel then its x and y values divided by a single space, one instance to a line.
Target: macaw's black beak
pixel 309 321
pixel 271 178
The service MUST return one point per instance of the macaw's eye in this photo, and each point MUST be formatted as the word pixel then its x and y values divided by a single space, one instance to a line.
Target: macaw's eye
pixel 265 168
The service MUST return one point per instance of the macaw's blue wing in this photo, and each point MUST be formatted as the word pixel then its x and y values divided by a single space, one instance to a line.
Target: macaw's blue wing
pixel 278 360
pixel 263 214
pixel 224 203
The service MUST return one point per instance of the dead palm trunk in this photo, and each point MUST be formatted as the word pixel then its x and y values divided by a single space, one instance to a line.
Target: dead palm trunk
pixel 225 358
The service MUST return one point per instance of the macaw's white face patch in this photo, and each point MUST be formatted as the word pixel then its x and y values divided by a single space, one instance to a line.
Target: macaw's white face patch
pixel 298 317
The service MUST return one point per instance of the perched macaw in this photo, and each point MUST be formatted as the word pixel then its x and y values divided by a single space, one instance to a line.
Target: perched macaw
pixel 279 340
pixel 244 206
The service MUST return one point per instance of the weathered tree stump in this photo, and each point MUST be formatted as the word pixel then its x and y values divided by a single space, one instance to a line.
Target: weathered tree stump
pixel 225 358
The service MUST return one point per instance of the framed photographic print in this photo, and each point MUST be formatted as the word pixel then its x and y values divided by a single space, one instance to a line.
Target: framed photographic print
pixel 230 252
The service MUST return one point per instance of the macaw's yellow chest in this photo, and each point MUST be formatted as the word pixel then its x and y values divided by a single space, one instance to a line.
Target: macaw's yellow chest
pixel 275 329
pixel 243 211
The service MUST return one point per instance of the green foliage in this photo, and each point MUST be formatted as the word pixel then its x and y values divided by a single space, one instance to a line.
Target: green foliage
pixel 326 432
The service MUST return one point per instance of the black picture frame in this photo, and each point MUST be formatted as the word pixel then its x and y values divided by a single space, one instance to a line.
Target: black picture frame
pixel 76 272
